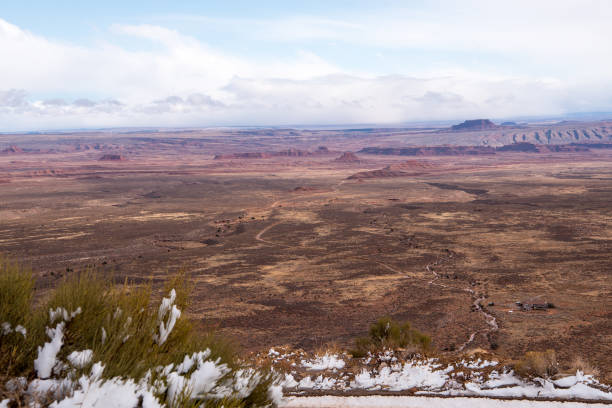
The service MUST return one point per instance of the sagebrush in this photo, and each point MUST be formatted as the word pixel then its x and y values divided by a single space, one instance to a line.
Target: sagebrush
pixel 537 364
pixel 388 334
pixel 121 326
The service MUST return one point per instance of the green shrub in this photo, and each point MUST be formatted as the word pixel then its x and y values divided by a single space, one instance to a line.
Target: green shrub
pixel 388 334
pixel 537 364
pixel 16 295
pixel 363 345
pixel 119 324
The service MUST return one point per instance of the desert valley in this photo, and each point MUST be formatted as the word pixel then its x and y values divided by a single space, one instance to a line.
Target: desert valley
pixel 322 204
pixel 485 237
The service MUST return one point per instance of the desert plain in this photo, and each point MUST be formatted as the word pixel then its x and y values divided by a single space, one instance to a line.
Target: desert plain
pixel 300 237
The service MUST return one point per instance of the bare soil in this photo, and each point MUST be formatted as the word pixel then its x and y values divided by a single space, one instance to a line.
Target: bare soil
pixel 287 250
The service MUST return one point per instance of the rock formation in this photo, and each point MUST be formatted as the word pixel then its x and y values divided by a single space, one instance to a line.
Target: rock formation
pixel 348 157
pixel 476 124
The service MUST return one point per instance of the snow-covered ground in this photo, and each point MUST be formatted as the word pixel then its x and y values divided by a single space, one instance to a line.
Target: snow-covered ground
pixel 324 362
pixel 77 380
pixel 375 401
pixel 388 372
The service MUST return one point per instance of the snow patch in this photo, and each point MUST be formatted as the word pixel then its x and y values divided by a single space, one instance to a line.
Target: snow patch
pixel 289 381
pixel 508 385
pixel 399 377
pixel 320 383
pixel 325 362
pixel 275 393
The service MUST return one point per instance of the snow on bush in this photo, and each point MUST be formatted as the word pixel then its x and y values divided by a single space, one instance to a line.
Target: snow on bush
pixel 167 307
pixel 20 329
pixel 93 392
pixel 195 377
pixel 80 359
pixel 201 381
pixel 62 313
pixel 7 329
pixel 47 354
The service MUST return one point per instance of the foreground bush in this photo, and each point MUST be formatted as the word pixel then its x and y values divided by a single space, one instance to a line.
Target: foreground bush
pixel 388 334
pixel 584 366
pixel 91 343
pixel 537 364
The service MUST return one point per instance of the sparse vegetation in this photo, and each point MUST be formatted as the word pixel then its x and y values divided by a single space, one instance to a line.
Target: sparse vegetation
pixel 537 364
pixel 348 234
pixel 388 334
pixel 16 291
pixel 121 325
pixel 579 363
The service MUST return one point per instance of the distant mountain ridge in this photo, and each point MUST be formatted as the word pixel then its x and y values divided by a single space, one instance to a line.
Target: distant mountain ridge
pixel 524 147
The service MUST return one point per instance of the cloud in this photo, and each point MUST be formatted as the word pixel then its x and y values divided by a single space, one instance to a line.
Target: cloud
pixel 195 102
pixel 84 103
pixel 55 102
pixel 550 33
pixel 13 98
pixel 198 99
pixel 331 99
pixel 555 59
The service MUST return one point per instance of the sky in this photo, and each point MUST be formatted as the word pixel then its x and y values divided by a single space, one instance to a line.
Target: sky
pixel 81 64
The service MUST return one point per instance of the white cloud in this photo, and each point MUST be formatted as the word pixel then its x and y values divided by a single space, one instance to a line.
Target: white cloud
pixel 169 78
pixel 13 98
pixel 543 27
pixel 549 32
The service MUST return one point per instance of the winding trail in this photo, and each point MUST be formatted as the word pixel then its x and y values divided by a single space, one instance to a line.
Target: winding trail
pixel 476 304
pixel 275 205
pixel 266 229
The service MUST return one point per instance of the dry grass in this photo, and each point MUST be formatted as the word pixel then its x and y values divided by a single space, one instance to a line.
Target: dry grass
pixel 16 296
pixel 537 364
pixel 578 363
pixel 329 348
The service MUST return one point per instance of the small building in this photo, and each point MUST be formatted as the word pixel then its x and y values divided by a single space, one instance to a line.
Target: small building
pixel 527 306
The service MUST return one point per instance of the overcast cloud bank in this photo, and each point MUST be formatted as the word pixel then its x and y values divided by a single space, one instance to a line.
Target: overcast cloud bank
pixel 173 79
